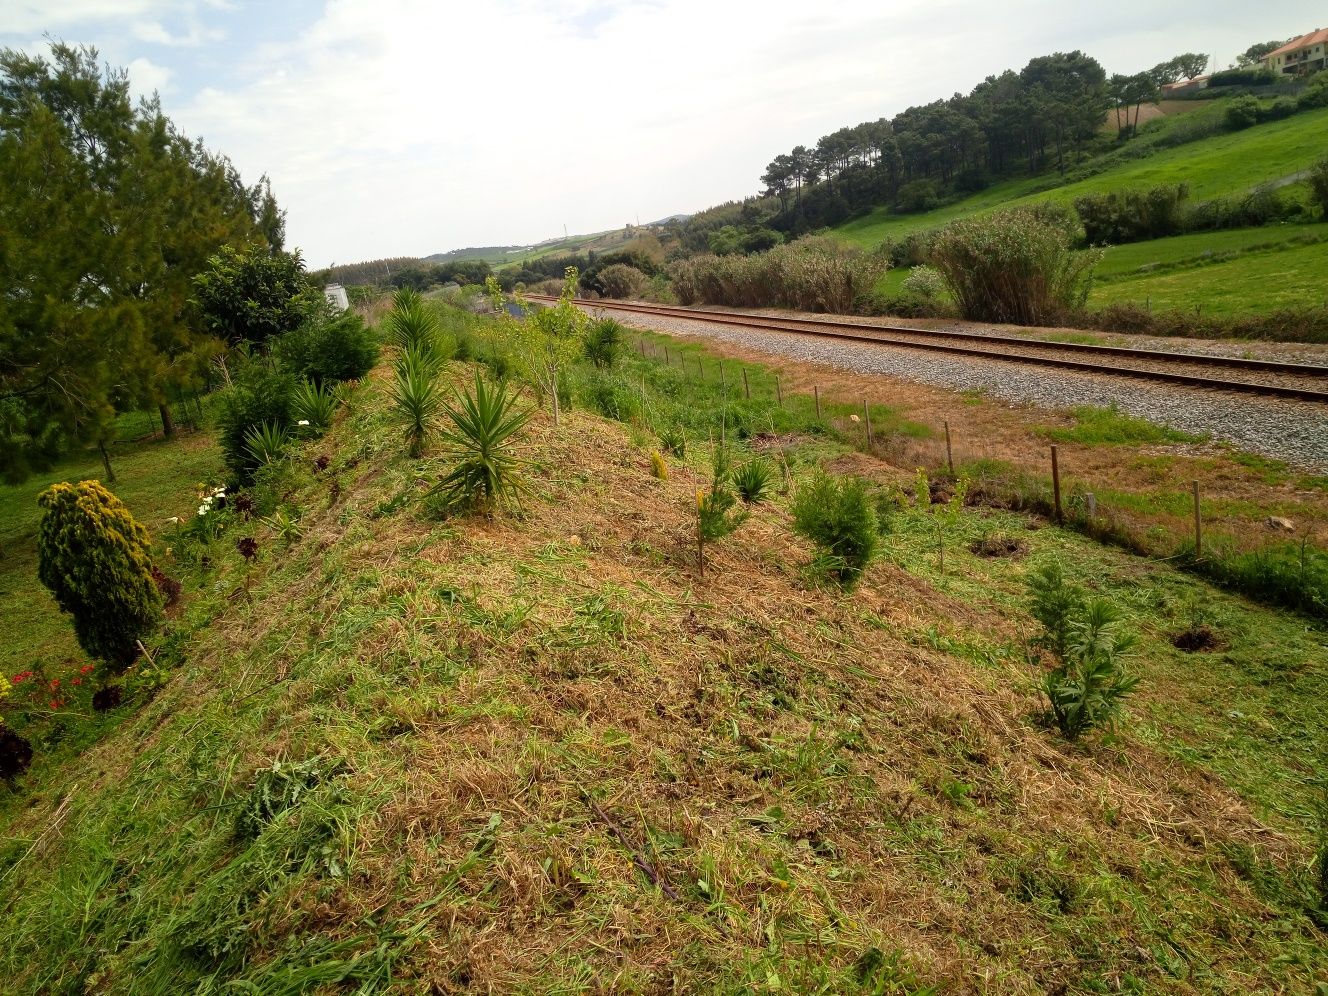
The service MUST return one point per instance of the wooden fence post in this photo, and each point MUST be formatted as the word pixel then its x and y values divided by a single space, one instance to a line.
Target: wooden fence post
pixel 1056 483
pixel 866 417
pixel 949 453
pixel 816 390
pixel 1198 522
pixel 779 394
pixel 746 387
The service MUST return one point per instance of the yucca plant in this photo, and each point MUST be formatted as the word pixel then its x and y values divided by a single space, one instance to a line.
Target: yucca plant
pixel 313 404
pixel 414 326
pixel 418 404
pixel 674 441
pixel 603 341
pixel 484 425
pixel 752 480
pixel 265 442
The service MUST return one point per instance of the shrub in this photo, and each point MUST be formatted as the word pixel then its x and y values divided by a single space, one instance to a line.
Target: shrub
pixel 329 346
pixel 812 274
pixel 484 426
pixel 1315 95
pixel 925 283
pixel 917 196
pixel 752 480
pixel 260 394
pixel 621 280
pixel 1253 76
pixel 1242 112
pixel 837 516
pixel 716 512
pixel 1318 180
pixel 94 557
pixel 659 467
pixel 1089 683
pixel 604 339
pixel 251 294
pixel 1131 215
pixel 674 440
pixel 1282 107
pixel 1013 267
pixel 314 404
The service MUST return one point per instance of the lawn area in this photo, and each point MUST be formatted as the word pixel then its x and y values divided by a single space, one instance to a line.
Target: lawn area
pixel 1292 278
pixel 156 479
pixel 1214 167
pixel 1198 248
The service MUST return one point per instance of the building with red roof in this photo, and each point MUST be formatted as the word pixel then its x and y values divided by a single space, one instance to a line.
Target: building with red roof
pixel 1300 55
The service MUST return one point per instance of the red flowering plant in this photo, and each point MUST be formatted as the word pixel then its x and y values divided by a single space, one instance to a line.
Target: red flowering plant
pixel 34 693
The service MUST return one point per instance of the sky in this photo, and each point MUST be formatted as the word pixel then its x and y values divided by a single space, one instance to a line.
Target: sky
pixel 407 127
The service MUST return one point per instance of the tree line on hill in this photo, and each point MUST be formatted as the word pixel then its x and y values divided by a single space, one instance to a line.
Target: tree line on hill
pixel 1025 122
pixel 107 215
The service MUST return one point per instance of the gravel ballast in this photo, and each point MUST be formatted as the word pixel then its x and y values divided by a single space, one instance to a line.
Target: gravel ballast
pixel 1296 432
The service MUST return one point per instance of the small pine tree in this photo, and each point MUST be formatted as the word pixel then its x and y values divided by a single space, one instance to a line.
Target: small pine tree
pixel 93 556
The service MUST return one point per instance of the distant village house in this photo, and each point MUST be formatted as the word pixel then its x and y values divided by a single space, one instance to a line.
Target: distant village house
pixel 1300 55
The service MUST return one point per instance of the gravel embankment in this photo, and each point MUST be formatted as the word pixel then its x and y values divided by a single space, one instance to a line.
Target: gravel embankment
pixel 1287 430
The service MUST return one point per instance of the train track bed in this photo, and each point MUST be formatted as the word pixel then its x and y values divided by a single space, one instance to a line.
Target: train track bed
pixel 1285 428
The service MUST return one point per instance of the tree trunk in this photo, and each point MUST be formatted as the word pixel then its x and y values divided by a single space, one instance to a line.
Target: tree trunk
pixel 106 461
pixel 167 423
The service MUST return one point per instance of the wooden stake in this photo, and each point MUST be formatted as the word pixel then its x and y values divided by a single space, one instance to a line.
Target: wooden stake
pixel 1056 483
pixel 1198 522
pixel 949 453
pixel 816 390
pixel 779 395
pixel 866 417
pixel 723 381
pixel 746 388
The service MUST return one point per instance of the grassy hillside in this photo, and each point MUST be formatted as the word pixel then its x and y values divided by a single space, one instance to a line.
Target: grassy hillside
pixel 537 753
pixel 1222 165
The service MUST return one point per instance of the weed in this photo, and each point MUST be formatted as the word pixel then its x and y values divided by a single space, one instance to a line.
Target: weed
pixel 674 441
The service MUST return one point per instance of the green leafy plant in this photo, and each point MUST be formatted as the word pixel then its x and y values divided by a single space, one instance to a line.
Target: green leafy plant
pixel 603 342
pixel 417 402
pixel 260 393
pixel 328 346
pixel 837 515
pixel 752 480
pixel 550 339
pixel 94 557
pixel 286 527
pixel 716 515
pixel 674 441
pixel 485 424
pixel 312 406
pixel 412 325
pixel 1089 682
pixel 265 443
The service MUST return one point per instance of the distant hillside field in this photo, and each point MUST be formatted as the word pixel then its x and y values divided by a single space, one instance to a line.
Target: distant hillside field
pixel 1219 166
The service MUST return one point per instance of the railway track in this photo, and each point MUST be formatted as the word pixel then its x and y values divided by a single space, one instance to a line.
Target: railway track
pixel 1274 378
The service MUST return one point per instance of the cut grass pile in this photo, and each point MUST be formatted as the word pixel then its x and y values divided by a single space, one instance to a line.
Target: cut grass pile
pixel 536 754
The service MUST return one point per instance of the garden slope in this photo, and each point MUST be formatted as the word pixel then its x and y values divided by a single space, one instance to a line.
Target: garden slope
pixel 844 792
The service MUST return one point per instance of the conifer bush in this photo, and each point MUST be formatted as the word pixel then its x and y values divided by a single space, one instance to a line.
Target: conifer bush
pixel 94 557
pixel 837 515
pixel 1089 682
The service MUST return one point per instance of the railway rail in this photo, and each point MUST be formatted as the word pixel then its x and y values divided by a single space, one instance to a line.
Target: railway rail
pixel 1275 378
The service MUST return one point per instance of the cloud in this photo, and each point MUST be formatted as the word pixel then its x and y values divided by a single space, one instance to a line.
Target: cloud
pixel 155 33
pixel 146 78
pixel 25 16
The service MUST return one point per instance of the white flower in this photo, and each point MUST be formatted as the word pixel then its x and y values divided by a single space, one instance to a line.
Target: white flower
pixel 303 421
pixel 854 418
pixel 202 510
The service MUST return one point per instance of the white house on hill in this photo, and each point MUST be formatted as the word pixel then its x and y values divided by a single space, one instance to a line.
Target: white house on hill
pixel 1300 55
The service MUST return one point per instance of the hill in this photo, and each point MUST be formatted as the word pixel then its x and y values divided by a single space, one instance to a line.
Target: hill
pixel 1223 165
pixel 537 753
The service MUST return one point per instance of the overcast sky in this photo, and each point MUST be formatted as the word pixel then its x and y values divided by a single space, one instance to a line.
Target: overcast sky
pixel 406 127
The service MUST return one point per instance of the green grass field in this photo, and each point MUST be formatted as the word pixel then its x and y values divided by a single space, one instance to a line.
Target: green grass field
pixel 1204 248
pixel 1213 167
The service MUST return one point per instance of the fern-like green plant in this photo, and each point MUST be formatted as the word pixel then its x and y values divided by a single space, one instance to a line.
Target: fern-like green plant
pixel 716 515
pixel 265 443
pixel 484 425
pixel 312 406
pixel 604 338
pixel 674 441
pixel 417 404
pixel 752 480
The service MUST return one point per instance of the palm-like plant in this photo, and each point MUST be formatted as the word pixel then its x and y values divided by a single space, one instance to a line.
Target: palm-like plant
pixel 752 480
pixel 314 404
pixel 412 325
pixel 265 443
pixel 485 422
pixel 418 404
